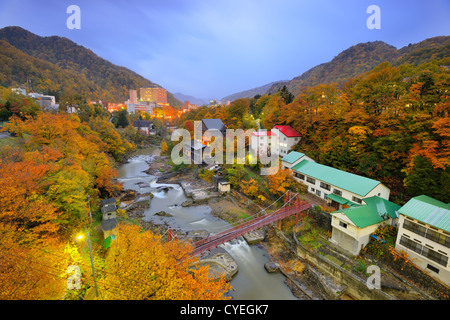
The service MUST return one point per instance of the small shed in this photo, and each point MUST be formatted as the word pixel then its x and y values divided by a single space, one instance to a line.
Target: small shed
pixel 223 186
pixel 109 218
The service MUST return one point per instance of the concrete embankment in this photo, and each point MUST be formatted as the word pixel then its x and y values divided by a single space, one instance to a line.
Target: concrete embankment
pixel 333 279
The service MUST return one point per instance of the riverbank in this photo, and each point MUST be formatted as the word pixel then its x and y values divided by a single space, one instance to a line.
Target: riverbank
pixel 230 208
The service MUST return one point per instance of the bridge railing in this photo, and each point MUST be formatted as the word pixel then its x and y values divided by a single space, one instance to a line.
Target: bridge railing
pixel 241 229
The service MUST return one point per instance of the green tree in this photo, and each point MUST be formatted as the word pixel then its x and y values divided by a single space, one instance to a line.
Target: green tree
pixel 122 120
pixel 287 96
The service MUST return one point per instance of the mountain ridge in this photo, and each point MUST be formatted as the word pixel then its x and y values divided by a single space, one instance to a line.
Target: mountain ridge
pixel 358 59
pixel 112 81
pixel 251 92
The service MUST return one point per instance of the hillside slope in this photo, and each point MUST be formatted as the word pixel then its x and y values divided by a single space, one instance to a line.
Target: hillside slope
pixel 112 81
pixel 357 60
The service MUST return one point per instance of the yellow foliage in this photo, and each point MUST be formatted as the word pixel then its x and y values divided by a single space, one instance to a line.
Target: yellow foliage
pixel 164 146
pixel 142 267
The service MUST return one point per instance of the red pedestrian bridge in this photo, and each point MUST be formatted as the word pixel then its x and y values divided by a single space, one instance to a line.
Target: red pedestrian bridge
pixel 292 205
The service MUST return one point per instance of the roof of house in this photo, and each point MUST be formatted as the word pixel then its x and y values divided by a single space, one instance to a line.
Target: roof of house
pixel 292 156
pixel 108 201
pixel 341 200
pixel 194 144
pixel 288 131
pixel 348 181
pixel 109 208
pixel 372 212
pixel 109 224
pixel 211 124
pixel 428 210
pixel 264 133
pixel 142 124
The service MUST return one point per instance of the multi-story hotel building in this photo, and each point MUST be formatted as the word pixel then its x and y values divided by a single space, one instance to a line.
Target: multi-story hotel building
pixel 154 94
pixel 424 234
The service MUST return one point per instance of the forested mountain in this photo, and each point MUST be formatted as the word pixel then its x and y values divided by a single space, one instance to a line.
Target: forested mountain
pixel 356 60
pixel 193 100
pixel 252 92
pixel 349 63
pixel 87 72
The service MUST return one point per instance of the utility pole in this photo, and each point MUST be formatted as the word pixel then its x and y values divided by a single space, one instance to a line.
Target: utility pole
pixel 92 264
pixel 90 253
pixel 89 201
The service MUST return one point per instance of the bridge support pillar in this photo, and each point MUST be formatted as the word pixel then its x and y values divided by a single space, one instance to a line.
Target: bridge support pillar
pixel 278 224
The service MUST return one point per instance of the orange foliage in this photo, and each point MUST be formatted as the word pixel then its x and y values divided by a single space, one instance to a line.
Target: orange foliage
pixel 279 182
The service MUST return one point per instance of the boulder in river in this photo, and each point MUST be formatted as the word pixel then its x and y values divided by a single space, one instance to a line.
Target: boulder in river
pixel 187 203
pixel 272 267
pixel 163 214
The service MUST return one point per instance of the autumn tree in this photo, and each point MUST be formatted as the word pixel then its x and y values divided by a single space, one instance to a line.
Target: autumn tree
pixel 250 187
pixel 15 104
pixel 164 147
pixel 279 182
pixel 142 267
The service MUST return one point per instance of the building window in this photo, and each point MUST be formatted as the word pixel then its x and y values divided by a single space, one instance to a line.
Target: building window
pixel 427 233
pixel 438 237
pixel 435 256
pixel 424 251
pixel 357 200
pixel 342 224
pixel 414 227
pixel 408 243
pixel 325 186
pixel 311 180
pixel 337 192
pixel 299 175
pixel 434 269
pixel 318 192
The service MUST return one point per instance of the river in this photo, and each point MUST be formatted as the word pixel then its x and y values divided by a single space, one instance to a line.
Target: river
pixel 252 282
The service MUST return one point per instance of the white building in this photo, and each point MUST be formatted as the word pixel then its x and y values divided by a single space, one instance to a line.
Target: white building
pixel 46 102
pixel 288 137
pixel 146 106
pixel 341 189
pixel 19 91
pixel 352 227
pixel 143 125
pixel 261 141
pixel 293 158
pixel 424 234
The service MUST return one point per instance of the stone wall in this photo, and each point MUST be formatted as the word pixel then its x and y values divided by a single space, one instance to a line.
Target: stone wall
pixel 355 286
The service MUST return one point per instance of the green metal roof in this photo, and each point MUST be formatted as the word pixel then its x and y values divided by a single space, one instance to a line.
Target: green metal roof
pixel 371 213
pixel 348 181
pixel 292 156
pixel 340 200
pixel 428 210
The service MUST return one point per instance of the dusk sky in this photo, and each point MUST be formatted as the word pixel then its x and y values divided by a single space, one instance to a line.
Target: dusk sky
pixel 213 48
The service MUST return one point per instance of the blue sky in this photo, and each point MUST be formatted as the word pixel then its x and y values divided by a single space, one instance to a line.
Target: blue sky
pixel 213 48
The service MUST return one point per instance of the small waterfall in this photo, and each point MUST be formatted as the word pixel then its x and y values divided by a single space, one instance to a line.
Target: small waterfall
pixel 252 281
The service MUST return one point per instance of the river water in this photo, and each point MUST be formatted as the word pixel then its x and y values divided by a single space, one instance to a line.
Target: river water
pixel 252 282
